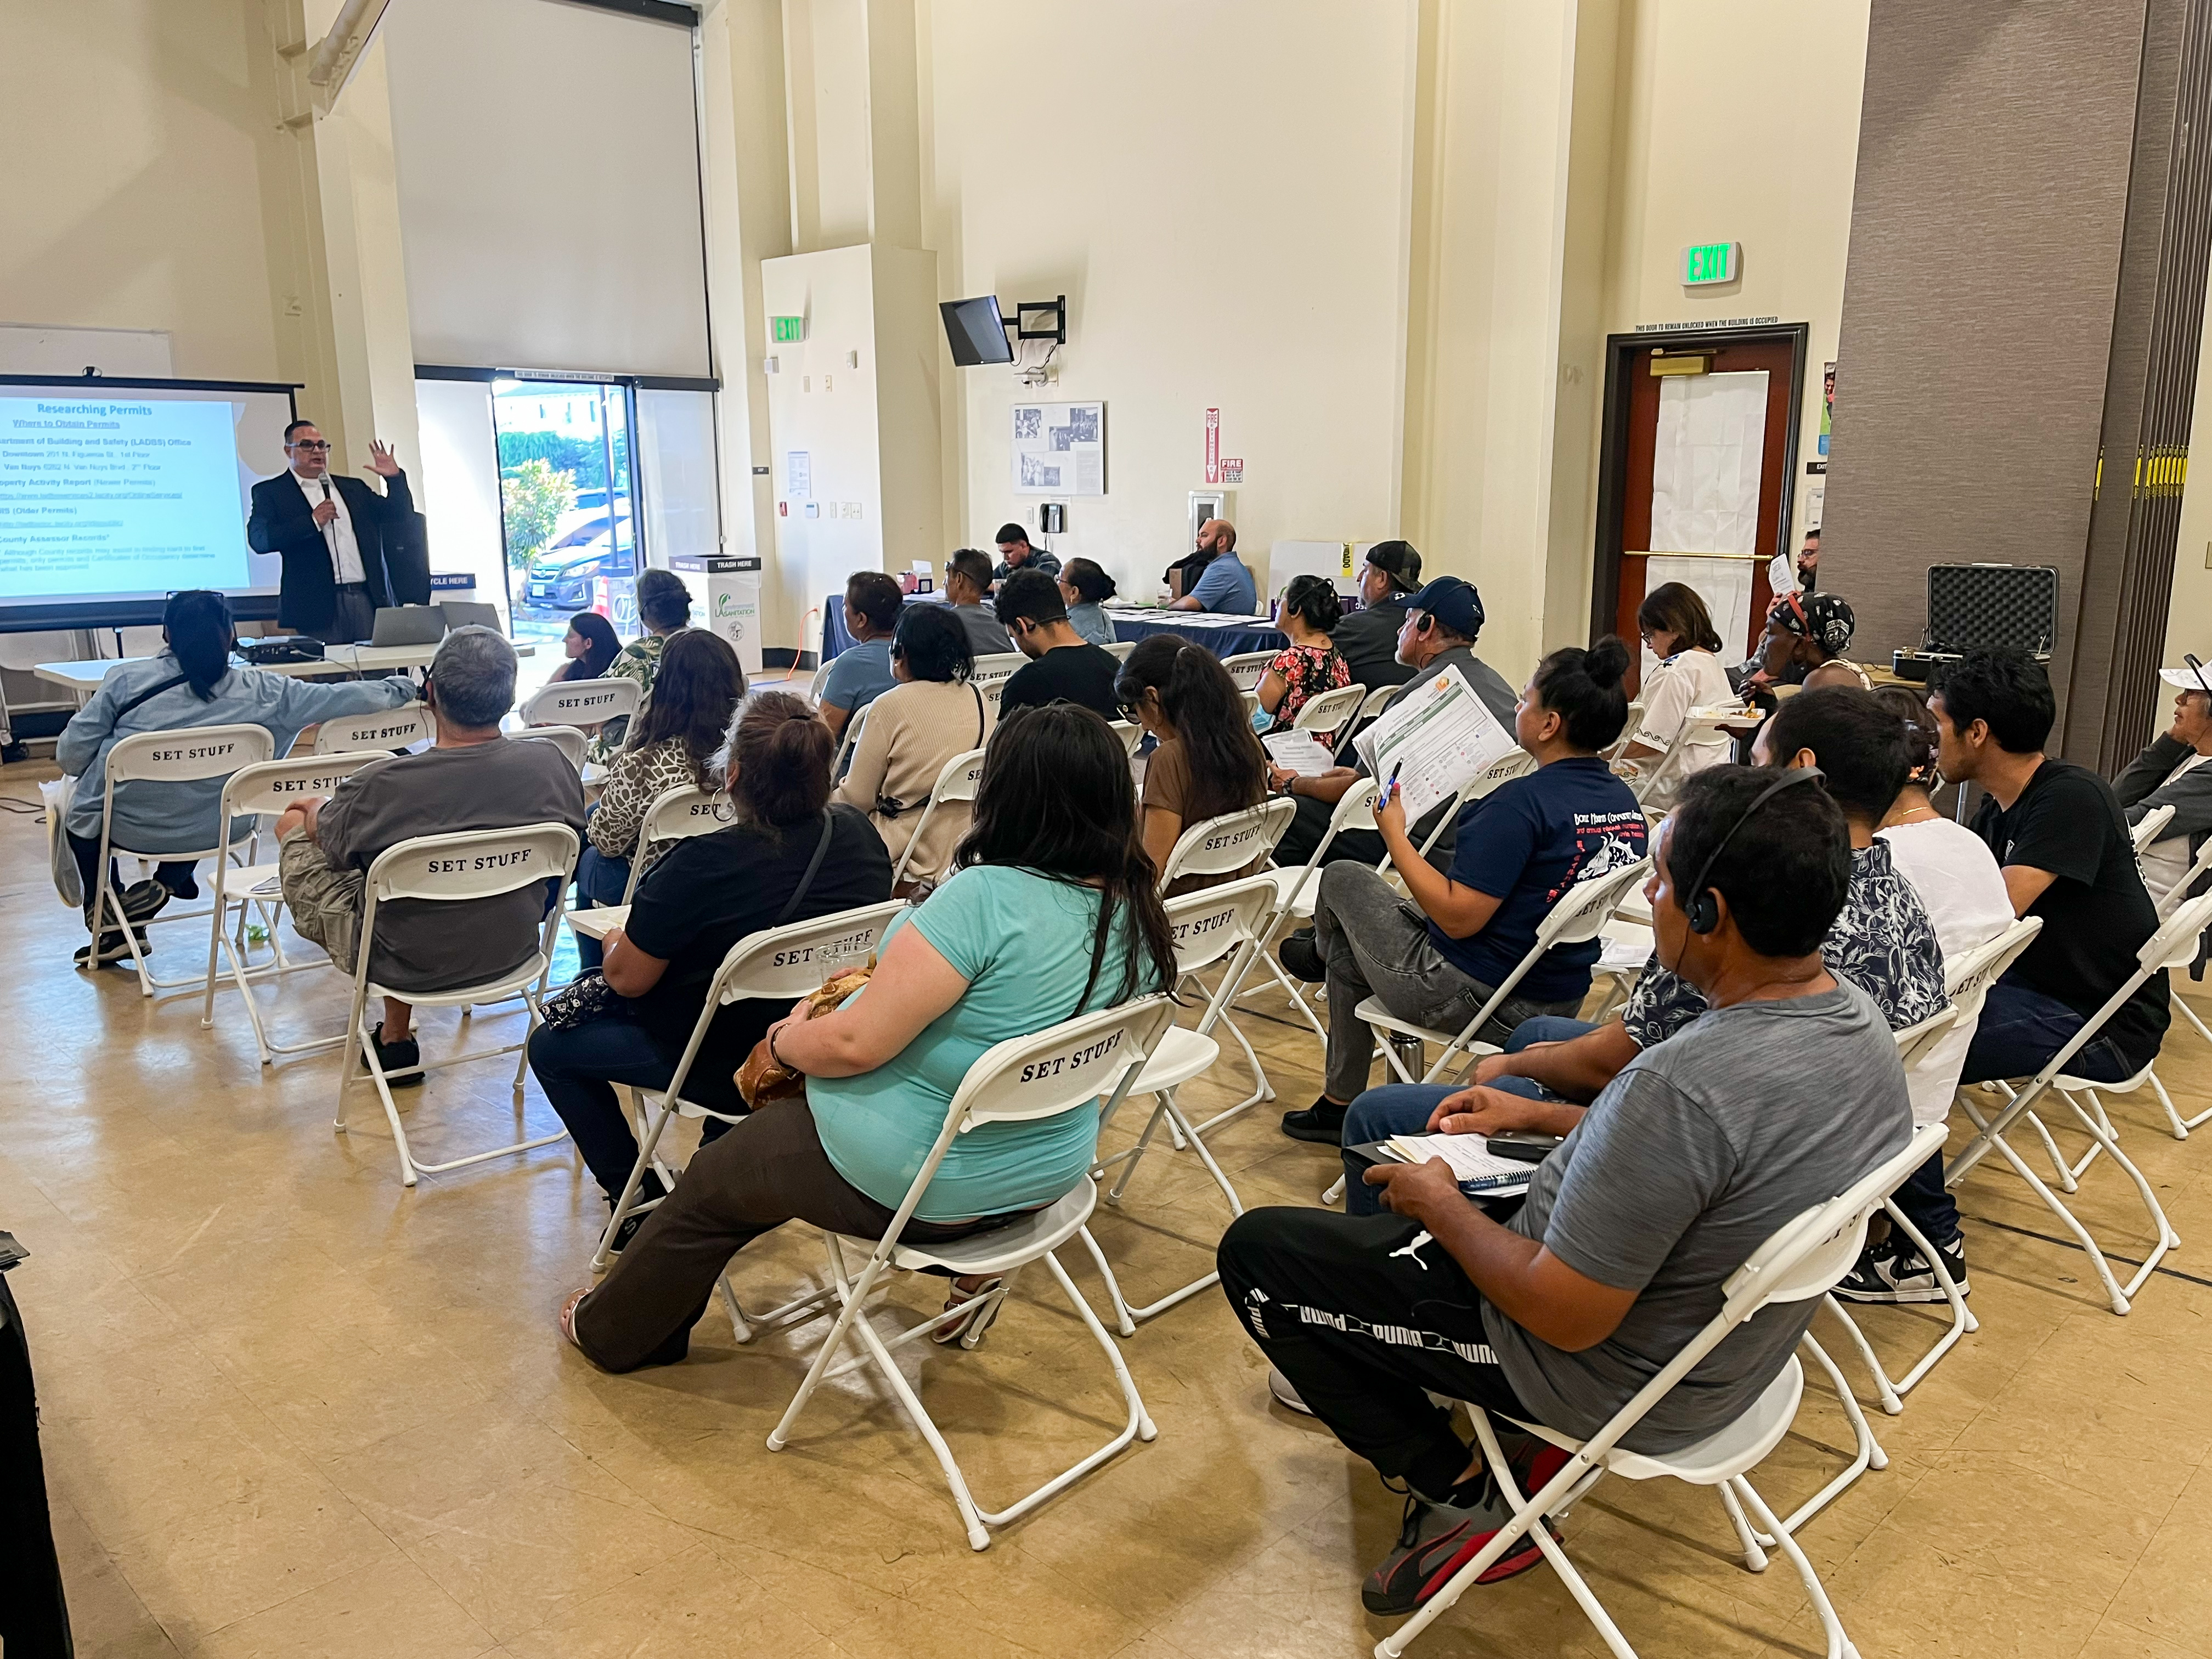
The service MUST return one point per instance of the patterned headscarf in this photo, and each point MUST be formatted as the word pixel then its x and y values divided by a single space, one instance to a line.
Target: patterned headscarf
pixel 1821 617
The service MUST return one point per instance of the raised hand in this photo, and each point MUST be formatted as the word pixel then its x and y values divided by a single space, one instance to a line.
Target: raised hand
pixel 381 461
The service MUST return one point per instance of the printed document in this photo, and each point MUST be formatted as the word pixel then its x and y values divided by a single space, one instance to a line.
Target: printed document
pixel 1438 738
pixel 1299 751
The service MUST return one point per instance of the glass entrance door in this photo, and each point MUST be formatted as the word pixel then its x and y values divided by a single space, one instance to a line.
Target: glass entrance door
pixel 568 504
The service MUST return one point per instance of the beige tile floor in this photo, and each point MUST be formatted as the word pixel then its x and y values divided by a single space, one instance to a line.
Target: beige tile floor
pixel 292 1408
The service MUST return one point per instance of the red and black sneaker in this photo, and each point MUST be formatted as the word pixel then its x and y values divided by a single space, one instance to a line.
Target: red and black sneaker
pixel 1437 1540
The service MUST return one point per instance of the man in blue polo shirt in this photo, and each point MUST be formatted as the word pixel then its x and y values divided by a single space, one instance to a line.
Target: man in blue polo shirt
pixel 1225 583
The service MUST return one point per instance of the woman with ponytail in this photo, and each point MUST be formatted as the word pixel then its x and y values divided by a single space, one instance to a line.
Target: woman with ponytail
pixel 788 855
pixel 190 682
pixel 1688 675
pixel 1049 912
pixel 1208 762
pixel 1436 960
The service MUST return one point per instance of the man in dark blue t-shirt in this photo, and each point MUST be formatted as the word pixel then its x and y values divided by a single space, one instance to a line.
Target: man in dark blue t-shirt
pixel 1435 958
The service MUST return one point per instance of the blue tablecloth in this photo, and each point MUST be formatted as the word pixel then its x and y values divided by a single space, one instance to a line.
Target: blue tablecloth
pixel 1128 626
pixel 1234 640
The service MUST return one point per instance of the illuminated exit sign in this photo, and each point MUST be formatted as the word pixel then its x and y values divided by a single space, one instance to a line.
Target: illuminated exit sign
pixel 1710 262
pixel 786 331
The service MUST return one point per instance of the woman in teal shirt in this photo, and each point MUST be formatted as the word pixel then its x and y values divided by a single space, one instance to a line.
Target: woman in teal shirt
pixel 1050 911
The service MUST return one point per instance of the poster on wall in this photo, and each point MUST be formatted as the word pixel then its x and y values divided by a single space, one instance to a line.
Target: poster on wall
pixel 1060 449
pixel 1828 406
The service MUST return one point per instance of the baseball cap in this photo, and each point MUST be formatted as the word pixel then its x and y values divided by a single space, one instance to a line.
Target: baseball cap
pixel 2187 678
pixel 1452 602
pixel 1399 561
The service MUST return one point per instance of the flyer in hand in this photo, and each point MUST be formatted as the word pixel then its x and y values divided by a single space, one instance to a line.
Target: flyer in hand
pixel 1438 737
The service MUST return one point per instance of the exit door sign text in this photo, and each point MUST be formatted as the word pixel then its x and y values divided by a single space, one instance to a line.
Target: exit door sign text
pixel 1710 262
pixel 782 331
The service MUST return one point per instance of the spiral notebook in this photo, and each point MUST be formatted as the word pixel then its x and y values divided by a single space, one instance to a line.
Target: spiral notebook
pixel 1473 1165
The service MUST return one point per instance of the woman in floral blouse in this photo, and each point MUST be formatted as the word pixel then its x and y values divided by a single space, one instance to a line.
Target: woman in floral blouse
pixel 671 745
pixel 1310 665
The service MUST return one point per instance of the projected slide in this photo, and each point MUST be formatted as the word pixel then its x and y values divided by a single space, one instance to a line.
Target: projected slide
pixel 113 496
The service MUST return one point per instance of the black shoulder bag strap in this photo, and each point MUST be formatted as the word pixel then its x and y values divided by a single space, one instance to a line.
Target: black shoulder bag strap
pixel 149 693
pixel 979 717
pixel 821 850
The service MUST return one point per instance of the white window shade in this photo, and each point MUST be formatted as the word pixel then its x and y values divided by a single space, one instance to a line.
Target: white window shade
pixel 549 186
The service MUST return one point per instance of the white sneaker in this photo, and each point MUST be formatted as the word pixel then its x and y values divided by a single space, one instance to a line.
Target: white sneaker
pixel 1279 1386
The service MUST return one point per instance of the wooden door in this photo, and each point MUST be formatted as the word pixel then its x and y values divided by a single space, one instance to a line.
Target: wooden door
pixel 1635 400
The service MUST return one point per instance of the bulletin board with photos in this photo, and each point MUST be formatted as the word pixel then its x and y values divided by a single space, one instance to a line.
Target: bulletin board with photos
pixel 1059 449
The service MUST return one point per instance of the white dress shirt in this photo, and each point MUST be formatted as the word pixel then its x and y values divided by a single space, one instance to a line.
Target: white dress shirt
pixel 337 534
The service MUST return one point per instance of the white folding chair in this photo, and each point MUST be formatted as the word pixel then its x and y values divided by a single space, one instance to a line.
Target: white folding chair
pixel 2199 867
pixel 1065 1068
pixel 1249 668
pixel 474 864
pixel 1332 710
pixel 780 964
pixel 1803 1259
pixel 581 703
pixel 2153 823
pixel 1578 916
pixel 1224 847
pixel 1121 648
pixel 851 737
pixel 2175 942
pixel 1297 888
pixel 993 693
pixel 1213 925
pixel 570 740
pixel 192 754
pixel 266 787
pixel 387 729
pixel 678 815
pixel 1130 732
pixel 814 686
pixel 957 781
pixel 1372 705
pixel 997 666
pixel 1662 776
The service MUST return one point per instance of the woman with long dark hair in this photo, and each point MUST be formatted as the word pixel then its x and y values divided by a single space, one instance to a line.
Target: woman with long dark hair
pixel 1688 675
pixel 699 899
pixel 1208 762
pixel 1049 912
pixel 675 741
pixel 189 683
pixel 590 645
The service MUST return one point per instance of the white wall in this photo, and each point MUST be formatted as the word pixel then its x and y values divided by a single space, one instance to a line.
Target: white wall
pixel 1220 192
pixel 2189 614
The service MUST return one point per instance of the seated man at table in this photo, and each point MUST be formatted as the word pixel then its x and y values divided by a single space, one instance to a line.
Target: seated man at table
pixel 1063 666
pixel 967 585
pixel 1223 584
pixel 1015 553
pixel 1442 621
pixel 474 777
pixel 862 672
pixel 1683 1165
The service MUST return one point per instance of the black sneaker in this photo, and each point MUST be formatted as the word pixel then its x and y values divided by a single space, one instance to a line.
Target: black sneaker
pixel 1321 1123
pixel 396 1055
pixel 142 902
pixel 1895 1270
pixel 1435 1541
pixel 649 1191
pixel 113 953
pixel 1301 958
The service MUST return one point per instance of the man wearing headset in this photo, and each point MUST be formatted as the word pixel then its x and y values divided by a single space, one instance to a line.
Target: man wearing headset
pixel 1682 1166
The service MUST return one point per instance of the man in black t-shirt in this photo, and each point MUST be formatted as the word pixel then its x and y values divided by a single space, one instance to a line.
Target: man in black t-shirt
pixel 2058 830
pixel 1064 666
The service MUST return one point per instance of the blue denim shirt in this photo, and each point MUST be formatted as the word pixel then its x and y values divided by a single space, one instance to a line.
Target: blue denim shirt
pixel 179 817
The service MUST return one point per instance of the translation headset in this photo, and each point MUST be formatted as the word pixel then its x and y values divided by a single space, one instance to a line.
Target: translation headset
pixel 1703 909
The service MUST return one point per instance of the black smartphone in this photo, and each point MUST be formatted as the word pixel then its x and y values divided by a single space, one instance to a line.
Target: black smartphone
pixel 1524 1146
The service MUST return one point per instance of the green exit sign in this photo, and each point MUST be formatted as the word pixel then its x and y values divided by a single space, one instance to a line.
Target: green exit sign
pixel 1710 262
pixel 787 330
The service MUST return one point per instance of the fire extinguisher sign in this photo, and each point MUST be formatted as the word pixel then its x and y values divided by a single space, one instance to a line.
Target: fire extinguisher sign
pixel 1213 445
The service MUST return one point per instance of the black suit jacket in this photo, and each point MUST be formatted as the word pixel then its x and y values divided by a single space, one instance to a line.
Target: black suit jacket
pixel 394 563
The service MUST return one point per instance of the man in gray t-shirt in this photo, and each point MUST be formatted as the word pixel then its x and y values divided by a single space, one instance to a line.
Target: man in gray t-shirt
pixel 1783 1095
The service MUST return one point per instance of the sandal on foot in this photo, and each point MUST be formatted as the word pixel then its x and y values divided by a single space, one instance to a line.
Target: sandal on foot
pixel 569 1317
pixel 982 1306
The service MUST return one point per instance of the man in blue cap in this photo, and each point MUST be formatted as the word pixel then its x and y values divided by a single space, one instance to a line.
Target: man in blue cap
pixel 1442 624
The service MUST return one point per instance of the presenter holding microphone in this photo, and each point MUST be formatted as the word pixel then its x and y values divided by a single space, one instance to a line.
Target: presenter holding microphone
pixel 347 549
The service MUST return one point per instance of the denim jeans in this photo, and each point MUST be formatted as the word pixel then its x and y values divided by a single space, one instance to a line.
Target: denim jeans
pixel 578 1070
pixel 2020 1029
pixel 599 882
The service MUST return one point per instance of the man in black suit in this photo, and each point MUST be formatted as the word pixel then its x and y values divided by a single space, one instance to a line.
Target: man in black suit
pixel 347 550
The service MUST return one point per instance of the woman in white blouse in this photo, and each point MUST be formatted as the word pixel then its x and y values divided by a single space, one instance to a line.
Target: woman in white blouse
pixel 1676 626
